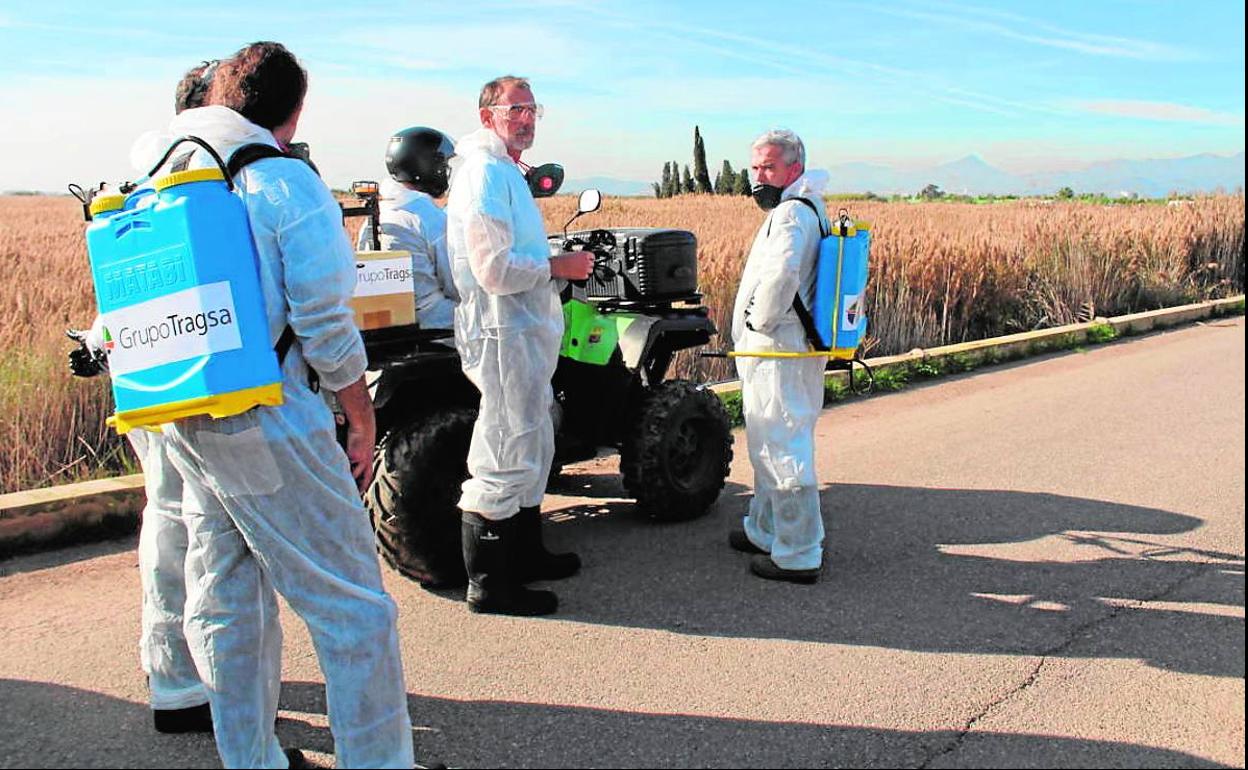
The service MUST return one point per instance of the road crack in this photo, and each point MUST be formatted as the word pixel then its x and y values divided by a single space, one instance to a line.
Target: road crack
pixel 1079 632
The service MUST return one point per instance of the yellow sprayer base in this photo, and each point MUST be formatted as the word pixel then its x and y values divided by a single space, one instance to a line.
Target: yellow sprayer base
pixel 222 405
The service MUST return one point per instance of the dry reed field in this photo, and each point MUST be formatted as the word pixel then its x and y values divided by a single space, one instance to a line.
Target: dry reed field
pixel 940 273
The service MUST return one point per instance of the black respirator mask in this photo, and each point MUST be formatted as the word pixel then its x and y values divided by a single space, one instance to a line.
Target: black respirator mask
pixel 767 196
pixel 544 180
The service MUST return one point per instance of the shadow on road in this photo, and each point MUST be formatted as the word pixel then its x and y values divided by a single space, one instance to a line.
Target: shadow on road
pixel 50 725
pixel 61 556
pixel 943 570
pixel 509 734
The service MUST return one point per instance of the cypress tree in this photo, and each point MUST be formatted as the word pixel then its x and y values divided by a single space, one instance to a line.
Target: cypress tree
pixel 675 189
pixel 726 181
pixel 665 186
pixel 687 183
pixel 701 174
pixel 743 183
pixel 658 193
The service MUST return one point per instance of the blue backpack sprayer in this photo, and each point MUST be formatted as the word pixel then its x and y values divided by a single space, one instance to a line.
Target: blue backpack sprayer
pixel 836 324
pixel 177 283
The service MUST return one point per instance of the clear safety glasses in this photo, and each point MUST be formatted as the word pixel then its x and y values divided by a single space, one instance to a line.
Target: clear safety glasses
pixel 517 111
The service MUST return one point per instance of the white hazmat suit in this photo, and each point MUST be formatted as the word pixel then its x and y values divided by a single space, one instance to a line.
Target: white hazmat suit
pixel 171 675
pixel 781 398
pixel 508 326
pixel 270 502
pixel 173 682
pixel 412 222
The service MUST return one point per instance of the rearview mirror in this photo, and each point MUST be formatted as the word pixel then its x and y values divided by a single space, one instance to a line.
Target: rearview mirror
pixel 590 200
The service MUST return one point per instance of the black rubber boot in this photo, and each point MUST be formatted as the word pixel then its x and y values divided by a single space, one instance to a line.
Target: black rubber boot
pixel 764 567
pixel 490 558
pixel 536 563
pixel 196 719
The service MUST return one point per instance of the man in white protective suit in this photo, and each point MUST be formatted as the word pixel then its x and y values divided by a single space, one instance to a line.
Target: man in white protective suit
pixel 177 697
pixel 781 398
pixel 508 327
pixel 178 700
pixel 418 161
pixel 270 500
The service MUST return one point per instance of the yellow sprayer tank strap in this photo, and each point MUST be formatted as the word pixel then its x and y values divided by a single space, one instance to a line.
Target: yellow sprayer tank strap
pixel 836 306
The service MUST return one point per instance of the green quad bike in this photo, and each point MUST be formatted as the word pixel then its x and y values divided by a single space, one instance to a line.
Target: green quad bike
pixel 623 326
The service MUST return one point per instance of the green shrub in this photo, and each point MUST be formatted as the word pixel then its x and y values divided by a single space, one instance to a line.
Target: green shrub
pixel 1099 333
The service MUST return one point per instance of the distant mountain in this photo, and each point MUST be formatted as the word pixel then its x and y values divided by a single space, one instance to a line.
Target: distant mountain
pixel 1152 178
pixel 973 176
pixel 607 186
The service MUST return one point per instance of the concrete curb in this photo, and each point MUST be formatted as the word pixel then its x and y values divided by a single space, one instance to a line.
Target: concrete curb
pixel 70 513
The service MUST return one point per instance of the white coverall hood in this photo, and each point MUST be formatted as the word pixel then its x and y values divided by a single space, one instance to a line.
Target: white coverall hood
pixel 221 127
pixel 398 196
pixel 809 185
pixel 482 140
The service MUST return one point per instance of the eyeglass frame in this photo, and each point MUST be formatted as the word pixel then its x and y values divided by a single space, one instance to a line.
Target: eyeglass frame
pixel 532 108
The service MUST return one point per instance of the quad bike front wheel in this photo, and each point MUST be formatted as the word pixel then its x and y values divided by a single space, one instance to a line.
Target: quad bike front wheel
pixel 676 459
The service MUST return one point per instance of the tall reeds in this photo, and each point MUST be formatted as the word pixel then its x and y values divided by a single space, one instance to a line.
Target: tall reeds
pixel 940 273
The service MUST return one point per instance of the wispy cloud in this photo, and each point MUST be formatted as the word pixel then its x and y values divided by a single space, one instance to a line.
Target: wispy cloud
pixel 483 46
pixel 1169 111
pixel 1036 31
pixel 793 59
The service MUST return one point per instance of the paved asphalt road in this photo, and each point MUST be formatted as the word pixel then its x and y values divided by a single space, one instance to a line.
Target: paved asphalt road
pixel 1036 565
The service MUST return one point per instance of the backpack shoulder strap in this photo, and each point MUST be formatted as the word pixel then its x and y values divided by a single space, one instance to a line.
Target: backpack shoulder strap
pixel 803 314
pixel 250 153
pixel 822 233
pixel 808 323
pixel 244 156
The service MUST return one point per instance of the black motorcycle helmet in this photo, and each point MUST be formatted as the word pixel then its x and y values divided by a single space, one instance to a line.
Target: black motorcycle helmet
pixel 421 157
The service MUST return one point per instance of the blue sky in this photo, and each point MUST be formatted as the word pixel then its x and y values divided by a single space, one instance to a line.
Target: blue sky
pixel 1026 85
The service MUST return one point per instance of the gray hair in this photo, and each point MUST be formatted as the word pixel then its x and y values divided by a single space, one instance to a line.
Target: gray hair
pixel 789 143
pixel 492 91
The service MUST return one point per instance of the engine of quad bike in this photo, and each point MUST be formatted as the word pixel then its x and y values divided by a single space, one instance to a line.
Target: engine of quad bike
pixel 639 264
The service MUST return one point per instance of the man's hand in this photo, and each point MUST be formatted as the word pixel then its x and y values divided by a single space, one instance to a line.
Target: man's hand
pixel 361 431
pixel 83 361
pixel 572 265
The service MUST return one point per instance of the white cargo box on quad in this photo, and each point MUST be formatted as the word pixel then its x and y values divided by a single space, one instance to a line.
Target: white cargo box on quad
pixel 384 294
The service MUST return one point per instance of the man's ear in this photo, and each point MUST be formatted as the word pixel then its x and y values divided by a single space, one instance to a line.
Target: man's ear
pixel 795 171
pixel 487 117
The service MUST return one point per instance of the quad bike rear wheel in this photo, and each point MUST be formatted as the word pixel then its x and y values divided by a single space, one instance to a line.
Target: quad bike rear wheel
pixel 413 501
